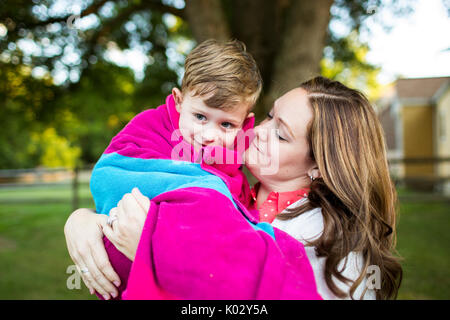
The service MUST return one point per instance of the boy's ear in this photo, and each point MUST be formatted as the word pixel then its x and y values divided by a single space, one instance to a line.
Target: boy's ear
pixel 251 114
pixel 178 97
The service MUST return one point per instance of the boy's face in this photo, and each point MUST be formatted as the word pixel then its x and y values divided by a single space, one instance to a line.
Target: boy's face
pixel 201 125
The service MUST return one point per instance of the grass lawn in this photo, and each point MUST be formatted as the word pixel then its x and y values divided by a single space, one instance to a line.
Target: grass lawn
pixel 424 244
pixel 33 253
pixel 34 259
pixel 42 194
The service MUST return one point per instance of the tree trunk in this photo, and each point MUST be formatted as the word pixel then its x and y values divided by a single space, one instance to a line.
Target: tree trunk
pixel 286 37
pixel 303 39
pixel 257 24
pixel 207 20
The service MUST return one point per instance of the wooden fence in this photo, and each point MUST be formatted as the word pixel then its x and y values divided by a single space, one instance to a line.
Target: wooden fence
pixel 30 185
pixel 435 180
pixel 72 180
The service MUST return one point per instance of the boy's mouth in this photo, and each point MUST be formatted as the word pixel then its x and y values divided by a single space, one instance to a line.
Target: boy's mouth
pixel 200 144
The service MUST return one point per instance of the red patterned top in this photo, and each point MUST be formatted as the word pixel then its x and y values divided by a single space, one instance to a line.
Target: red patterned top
pixel 276 202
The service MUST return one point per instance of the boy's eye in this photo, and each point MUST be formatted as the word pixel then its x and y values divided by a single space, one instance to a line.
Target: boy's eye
pixel 200 116
pixel 281 138
pixel 227 125
pixel 269 116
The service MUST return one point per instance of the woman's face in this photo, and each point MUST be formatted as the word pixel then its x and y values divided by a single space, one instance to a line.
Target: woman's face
pixel 279 154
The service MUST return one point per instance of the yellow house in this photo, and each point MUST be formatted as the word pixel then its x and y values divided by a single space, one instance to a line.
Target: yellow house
pixel 415 114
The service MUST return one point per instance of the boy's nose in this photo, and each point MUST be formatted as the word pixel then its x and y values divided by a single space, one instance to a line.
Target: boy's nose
pixel 209 136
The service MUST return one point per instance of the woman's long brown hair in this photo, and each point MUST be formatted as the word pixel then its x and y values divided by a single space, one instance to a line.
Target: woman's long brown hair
pixel 355 191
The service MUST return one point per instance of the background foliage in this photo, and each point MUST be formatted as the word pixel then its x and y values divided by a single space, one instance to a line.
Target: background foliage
pixel 63 95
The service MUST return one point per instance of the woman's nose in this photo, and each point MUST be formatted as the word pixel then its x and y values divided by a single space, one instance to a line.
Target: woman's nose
pixel 261 132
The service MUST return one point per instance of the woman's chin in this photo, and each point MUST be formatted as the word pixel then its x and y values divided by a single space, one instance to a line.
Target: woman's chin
pixel 251 162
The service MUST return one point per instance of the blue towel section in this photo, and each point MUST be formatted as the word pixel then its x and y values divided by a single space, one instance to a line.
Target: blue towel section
pixel 266 227
pixel 114 175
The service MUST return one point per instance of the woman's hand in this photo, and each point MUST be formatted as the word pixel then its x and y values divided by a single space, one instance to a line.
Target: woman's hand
pixel 84 238
pixel 126 222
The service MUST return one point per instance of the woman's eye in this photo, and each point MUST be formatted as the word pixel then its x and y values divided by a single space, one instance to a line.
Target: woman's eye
pixel 278 136
pixel 227 125
pixel 200 117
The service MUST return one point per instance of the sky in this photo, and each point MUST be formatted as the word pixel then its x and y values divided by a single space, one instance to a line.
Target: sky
pixel 417 46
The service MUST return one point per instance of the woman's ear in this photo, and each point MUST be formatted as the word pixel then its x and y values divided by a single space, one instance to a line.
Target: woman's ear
pixel 178 97
pixel 314 173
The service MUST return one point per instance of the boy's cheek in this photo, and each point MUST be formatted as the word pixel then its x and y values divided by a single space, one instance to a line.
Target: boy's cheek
pixel 230 139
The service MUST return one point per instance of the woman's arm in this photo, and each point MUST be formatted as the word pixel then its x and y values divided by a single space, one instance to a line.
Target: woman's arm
pixel 84 234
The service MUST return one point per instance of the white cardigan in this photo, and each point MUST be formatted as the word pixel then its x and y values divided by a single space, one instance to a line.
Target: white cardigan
pixel 309 226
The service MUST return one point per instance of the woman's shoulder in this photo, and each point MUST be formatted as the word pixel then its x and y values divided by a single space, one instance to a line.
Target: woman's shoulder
pixel 307 226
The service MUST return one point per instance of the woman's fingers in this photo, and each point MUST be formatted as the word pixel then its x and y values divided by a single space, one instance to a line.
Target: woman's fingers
pixel 123 242
pixel 113 216
pixel 109 233
pixel 97 279
pixel 84 267
pixel 115 240
pixel 78 250
pixel 101 258
pixel 142 200
pixel 126 223
pixel 102 261
pixel 79 262
pixel 83 231
pixel 132 207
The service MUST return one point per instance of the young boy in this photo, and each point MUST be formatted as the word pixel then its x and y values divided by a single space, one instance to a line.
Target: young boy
pixel 199 241
pixel 220 86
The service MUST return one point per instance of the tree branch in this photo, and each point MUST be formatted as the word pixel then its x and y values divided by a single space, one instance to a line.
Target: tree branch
pixel 157 5
pixel 95 7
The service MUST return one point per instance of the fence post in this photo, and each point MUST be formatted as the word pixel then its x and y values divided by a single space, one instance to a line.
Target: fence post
pixel 75 196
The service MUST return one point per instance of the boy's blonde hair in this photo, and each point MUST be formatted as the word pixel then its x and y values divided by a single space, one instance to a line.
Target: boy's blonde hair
pixel 224 72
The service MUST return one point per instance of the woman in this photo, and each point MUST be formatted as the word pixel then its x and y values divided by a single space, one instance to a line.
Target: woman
pixel 331 149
